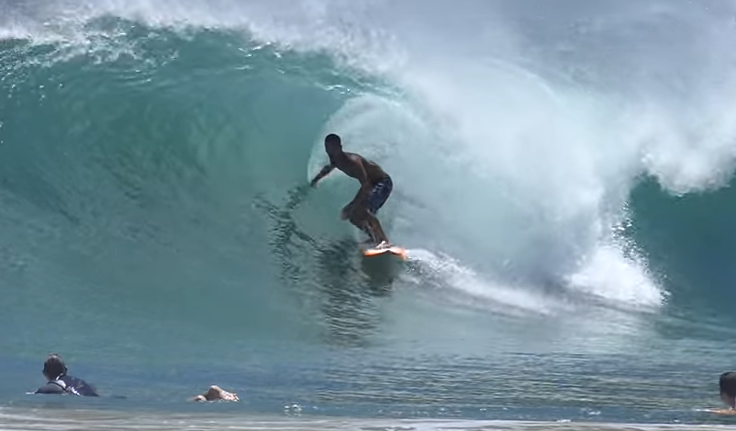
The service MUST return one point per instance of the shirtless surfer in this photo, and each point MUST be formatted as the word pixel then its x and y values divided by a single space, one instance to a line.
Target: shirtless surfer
pixel 375 188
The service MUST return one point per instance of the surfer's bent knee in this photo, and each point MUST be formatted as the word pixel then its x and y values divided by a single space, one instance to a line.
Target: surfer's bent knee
pixel 360 215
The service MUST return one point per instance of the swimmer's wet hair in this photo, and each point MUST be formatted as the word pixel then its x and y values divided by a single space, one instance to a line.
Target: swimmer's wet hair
pixel 54 366
pixel 727 384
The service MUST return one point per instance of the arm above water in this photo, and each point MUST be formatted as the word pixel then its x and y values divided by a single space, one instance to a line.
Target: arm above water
pixel 729 412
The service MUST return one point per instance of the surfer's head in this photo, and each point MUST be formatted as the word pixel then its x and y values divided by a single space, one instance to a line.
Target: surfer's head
pixel 727 384
pixel 54 367
pixel 333 145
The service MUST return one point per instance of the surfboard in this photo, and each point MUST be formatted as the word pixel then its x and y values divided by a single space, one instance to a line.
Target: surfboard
pixel 387 251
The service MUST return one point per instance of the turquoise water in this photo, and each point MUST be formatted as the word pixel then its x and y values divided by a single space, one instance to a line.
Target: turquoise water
pixel 562 183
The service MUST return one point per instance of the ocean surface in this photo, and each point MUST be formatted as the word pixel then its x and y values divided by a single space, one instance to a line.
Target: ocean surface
pixel 563 183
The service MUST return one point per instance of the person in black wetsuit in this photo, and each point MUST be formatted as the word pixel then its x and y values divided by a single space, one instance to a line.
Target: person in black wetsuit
pixel 59 382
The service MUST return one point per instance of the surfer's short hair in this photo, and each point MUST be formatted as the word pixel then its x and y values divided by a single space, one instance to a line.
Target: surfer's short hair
pixel 727 383
pixel 333 139
pixel 54 366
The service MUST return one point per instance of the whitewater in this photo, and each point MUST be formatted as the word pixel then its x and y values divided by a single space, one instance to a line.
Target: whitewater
pixel 562 175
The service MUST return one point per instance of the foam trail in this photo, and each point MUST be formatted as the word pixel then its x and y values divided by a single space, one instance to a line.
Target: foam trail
pixel 443 272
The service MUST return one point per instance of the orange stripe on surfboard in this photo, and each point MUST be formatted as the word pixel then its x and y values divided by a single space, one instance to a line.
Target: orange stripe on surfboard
pixel 396 251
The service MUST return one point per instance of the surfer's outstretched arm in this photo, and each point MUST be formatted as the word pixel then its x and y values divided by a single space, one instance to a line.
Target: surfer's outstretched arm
pixel 323 173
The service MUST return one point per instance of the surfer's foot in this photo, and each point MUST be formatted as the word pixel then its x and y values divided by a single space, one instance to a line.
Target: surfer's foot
pixel 383 244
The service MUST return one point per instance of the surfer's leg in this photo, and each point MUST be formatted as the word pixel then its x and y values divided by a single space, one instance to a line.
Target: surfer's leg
pixel 357 218
pixel 375 226
pixel 378 197
pixel 368 223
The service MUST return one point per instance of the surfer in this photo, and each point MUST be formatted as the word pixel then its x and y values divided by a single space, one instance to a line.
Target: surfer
pixel 375 188
pixel 59 382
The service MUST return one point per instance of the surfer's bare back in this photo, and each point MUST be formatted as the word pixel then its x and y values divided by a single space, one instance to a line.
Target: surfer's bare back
pixel 375 188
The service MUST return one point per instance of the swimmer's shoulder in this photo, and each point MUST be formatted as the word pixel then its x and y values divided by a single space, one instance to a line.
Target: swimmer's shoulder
pixel 50 388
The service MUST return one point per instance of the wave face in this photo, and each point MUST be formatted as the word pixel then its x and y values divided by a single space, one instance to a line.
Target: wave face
pixel 568 165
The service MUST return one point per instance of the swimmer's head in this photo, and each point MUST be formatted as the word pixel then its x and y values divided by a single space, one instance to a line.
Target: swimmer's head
pixel 727 385
pixel 54 367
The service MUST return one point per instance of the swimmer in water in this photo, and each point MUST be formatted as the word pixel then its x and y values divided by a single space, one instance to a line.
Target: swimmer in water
pixel 59 382
pixel 215 393
pixel 727 388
